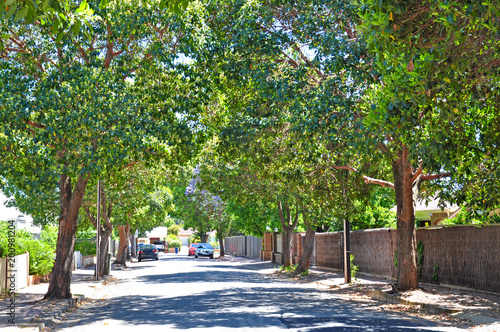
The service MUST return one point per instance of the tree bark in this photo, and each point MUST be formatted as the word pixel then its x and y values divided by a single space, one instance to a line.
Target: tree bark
pixel 287 226
pixel 407 272
pixel 307 250
pixel 221 246
pixel 70 202
pixel 122 247
pixel 104 232
pixel 133 246
pixel 203 237
pixel 127 230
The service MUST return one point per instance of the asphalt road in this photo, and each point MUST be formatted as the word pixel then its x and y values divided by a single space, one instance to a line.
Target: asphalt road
pixel 180 293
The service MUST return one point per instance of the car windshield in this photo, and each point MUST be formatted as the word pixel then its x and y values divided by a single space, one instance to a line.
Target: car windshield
pixel 204 246
pixel 159 243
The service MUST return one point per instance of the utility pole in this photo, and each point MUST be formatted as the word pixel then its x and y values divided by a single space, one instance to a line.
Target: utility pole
pixel 98 236
pixel 347 251
pixel 347 232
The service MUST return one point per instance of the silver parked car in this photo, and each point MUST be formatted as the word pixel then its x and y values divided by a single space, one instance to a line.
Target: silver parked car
pixel 204 249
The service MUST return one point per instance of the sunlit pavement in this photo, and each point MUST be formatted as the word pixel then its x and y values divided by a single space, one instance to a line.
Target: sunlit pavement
pixel 184 293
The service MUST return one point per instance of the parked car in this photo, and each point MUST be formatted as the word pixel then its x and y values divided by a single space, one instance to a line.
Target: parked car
pixel 192 249
pixel 204 249
pixel 159 245
pixel 148 251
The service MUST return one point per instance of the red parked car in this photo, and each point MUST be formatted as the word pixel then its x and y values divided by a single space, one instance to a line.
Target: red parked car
pixel 192 249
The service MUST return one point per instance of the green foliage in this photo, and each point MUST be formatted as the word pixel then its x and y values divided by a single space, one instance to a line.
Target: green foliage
pixel 172 237
pixel 49 234
pixel 215 244
pixel 468 216
pixel 194 238
pixel 85 246
pixel 435 276
pixel 174 243
pixel 41 253
pixel 174 230
pixel 7 235
pixel 288 269
pixel 354 268
pixel 376 211
pixel 41 256
pixel 420 257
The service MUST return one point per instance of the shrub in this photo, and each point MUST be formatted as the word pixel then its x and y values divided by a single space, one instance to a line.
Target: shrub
pixel 215 244
pixel 41 256
pixel 85 246
pixel 41 253
pixel 354 268
pixel 174 243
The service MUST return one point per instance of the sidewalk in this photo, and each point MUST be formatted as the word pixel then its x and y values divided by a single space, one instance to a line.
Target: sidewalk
pixel 29 302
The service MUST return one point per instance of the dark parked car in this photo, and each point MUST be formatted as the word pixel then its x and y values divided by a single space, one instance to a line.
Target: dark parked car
pixel 148 251
pixel 204 249
pixel 192 249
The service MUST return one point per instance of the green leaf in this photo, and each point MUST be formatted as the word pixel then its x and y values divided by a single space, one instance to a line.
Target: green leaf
pixel 11 11
pixel 22 13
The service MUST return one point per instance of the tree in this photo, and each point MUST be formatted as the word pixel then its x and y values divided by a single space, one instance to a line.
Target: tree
pixel 288 73
pixel 192 203
pixel 71 105
pixel 420 110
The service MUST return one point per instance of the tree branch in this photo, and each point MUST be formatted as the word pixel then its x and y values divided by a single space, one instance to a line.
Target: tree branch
pixel 90 216
pixel 435 176
pixel 369 180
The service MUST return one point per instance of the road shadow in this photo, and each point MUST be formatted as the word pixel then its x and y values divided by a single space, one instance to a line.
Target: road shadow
pixel 256 307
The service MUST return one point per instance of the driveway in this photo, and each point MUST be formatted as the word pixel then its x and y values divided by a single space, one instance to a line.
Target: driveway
pixel 184 293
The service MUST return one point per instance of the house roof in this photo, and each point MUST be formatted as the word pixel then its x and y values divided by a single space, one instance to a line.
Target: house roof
pixel 186 232
pixel 424 209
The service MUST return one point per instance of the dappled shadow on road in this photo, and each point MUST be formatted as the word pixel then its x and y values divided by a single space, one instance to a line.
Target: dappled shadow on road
pixel 243 308
pixel 221 295
pixel 209 275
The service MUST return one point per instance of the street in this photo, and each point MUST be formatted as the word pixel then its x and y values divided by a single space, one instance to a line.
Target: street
pixel 179 292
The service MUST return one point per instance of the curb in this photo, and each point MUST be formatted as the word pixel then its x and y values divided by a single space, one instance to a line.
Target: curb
pixel 55 312
pixel 394 299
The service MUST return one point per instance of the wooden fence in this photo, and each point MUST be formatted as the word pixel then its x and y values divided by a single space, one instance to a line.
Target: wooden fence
pixel 467 256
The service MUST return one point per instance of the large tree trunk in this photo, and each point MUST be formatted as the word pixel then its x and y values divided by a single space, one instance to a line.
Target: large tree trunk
pixel 104 232
pixel 70 203
pixel 203 237
pixel 287 226
pixel 407 273
pixel 221 246
pixel 121 257
pixel 127 229
pixel 103 252
pixel 307 250
pixel 133 246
